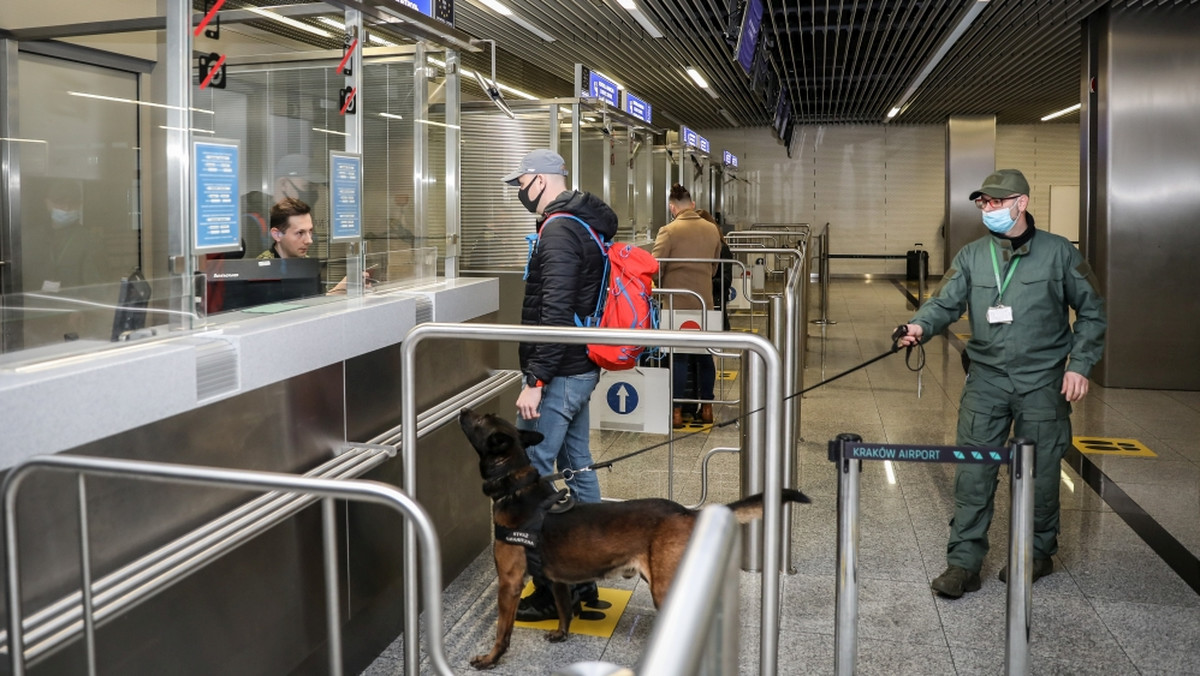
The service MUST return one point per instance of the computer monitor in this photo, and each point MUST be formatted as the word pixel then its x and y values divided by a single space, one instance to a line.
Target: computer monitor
pixel 233 284
pixel 132 301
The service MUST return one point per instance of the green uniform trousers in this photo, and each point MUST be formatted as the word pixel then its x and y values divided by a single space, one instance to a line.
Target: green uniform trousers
pixel 985 415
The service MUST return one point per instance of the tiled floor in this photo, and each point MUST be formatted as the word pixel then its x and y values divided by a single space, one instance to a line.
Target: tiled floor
pixel 1113 605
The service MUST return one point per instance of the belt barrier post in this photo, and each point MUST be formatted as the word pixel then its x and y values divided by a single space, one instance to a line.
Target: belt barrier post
pixel 823 275
pixel 1020 558
pixel 752 465
pixel 845 637
pixel 922 271
pixel 780 322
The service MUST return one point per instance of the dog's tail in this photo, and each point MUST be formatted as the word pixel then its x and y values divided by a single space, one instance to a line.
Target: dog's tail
pixel 750 508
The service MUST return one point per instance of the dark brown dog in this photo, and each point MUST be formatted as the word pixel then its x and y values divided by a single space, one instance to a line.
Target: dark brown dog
pixel 589 542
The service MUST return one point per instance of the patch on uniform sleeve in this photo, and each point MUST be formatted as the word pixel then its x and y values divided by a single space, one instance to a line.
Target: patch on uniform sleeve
pixel 1085 271
pixel 946 277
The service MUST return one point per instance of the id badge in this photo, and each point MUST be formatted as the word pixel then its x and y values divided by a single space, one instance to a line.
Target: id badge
pixel 999 314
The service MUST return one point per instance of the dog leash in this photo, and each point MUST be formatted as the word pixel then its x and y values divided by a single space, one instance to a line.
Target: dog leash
pixel 899 333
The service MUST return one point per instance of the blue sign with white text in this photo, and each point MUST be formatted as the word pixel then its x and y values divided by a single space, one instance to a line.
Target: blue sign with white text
pixel 622 398
pixel 345 195
pixel 637 107
pixel 215 177
pixel 703 144
pixel 689 137
pixel 730 159
pixel 423 6
pixel 604 89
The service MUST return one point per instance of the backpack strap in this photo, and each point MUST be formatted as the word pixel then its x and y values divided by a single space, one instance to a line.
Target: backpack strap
pixel 594 318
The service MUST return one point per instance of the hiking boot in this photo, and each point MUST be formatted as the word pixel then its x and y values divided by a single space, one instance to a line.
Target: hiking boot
pixel 537 606
pixel 677 418
pixel 955 582
pixel 1041 568
pixel 587 594
pixel 706 415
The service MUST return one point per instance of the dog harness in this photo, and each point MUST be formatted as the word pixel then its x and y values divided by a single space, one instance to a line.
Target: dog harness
pixel 529 535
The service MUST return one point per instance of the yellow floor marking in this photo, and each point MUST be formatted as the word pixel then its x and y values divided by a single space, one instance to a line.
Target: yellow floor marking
pixel 745 330
pixel 602 626
pixel 726 375
pixel 1131 448
pixel 963 336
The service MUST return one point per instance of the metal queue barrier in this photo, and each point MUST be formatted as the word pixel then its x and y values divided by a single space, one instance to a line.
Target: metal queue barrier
pixel 822 239
pixel 849 450
pixel 785 323
pixel 764 369
pixel 416 522
pixel 697 630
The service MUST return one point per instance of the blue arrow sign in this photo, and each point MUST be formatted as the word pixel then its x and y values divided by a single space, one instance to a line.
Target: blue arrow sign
pixel 622 398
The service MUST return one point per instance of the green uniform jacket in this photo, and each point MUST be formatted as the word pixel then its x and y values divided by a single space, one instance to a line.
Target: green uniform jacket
pixel 1030 352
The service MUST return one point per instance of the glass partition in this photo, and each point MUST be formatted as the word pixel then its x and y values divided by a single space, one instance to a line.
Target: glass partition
pixel 80 319
pixel 95 188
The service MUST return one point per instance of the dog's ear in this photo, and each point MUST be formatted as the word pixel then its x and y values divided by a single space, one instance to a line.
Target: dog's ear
pixel 531 438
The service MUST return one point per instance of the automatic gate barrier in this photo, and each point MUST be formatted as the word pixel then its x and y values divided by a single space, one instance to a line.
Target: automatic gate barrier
pixel 1019 455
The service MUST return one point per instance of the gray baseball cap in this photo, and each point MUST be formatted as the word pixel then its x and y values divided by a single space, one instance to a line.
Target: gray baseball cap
pixel 541 161
pixel 1003 183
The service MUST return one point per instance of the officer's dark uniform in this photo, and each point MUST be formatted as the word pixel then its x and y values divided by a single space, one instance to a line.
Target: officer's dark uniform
pixel 1016 371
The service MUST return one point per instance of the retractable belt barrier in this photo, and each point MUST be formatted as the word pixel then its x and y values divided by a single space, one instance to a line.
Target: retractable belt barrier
pixel 1019 455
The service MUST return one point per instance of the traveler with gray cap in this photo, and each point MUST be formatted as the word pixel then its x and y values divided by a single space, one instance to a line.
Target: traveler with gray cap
pixel 1028 363
pixel 563 279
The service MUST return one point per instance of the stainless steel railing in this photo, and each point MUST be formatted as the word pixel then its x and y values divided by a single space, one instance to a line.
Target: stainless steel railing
pixel 417 522
pixel 765 371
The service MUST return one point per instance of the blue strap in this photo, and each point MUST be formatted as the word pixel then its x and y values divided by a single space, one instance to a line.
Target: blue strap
pixel 531 239
pixel 594 319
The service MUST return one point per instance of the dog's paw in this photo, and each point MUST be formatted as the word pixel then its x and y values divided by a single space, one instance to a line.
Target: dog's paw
pixel 483 662
pixel 556 636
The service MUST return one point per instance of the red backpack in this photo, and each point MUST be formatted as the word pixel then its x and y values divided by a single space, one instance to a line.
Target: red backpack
pixel 625 300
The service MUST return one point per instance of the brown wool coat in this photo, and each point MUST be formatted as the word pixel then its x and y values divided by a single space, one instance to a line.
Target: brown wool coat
pixel 688 236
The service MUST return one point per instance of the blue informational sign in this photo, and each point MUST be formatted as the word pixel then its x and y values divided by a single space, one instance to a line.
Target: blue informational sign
pixel 345 195
pixel 637 108
pixel 604 89
pixel 748 36
pixel 423 6
pixel 730 159
pixel 702 144
pixel 690 138
pixel 215 195
pixel 622 398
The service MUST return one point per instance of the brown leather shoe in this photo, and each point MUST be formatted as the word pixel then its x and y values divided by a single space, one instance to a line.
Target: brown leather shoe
pixel 677 418
pixel 706 416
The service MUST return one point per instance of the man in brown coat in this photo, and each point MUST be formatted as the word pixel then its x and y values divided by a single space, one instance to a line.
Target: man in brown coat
pixel 690 236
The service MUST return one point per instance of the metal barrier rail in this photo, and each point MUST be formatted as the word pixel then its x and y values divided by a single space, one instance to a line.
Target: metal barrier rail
pixel 49 628
pixel 416 522
pixel 1020 455
pixel 822 240
pixel 765 371
pixel 697 625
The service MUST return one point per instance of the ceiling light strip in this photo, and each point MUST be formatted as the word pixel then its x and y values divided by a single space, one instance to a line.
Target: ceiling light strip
pixel 288 21
pixel 1065 111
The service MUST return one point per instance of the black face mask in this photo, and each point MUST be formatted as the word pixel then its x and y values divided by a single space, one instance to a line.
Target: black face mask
pixel 530 203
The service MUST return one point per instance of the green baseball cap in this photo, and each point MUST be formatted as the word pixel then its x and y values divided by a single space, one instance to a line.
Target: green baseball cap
pixel 1003 183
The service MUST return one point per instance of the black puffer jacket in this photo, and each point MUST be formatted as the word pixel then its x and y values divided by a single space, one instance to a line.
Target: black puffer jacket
pixel 564 282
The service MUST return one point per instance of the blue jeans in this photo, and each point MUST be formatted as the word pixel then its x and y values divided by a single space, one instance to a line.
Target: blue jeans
pixel 564 423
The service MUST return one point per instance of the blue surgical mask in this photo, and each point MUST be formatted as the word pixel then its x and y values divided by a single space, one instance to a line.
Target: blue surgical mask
pixel 63 217
pixel 999 221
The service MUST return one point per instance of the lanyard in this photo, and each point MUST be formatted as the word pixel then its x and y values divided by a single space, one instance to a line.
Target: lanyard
pixel 996 269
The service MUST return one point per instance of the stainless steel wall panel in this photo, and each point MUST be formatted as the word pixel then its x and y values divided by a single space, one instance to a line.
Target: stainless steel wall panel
pixel 970 158
pixel 1147 188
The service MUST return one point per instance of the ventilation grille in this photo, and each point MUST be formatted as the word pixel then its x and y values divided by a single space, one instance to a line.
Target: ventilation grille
pixel 216 369
pixel 424 309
